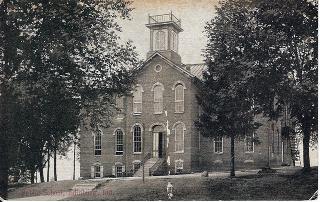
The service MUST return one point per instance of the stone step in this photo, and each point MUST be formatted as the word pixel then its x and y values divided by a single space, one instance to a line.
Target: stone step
pixel 148 164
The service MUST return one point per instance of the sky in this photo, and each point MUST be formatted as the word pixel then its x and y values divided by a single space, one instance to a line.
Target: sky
pixel 193 13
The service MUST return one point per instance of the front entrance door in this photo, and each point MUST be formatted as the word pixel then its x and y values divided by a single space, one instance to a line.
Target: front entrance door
pixel 158 146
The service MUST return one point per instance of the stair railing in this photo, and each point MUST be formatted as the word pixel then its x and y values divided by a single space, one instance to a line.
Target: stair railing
pixel 145 159
pixel 157 165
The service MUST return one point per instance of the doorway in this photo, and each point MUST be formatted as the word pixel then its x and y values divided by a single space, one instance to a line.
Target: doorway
pixel 158 145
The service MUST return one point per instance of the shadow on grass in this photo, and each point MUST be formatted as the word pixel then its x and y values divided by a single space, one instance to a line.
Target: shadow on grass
pixel 297 186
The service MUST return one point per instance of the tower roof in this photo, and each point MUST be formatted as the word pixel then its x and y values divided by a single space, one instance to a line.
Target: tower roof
pixel 164 19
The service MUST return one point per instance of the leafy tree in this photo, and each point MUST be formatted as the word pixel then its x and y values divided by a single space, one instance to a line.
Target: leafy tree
pixel 226 103
pixel 285 62
pixel 273 45
pixel 67 54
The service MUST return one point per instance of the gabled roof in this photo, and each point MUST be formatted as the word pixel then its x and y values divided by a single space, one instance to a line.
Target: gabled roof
pixel 177 67
pixel 190 70
pixel 197 69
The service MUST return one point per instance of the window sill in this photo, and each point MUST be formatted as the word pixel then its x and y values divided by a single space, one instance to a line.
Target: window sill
pixel 137 153
pixel 97 155
pixel 137 113
pixel 118 155
pixel 249 152
pixel 179 112
pixel 158 113
pixel 179 152
pixel 218 153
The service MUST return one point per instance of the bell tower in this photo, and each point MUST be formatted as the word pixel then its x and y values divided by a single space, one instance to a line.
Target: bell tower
pixel 164 36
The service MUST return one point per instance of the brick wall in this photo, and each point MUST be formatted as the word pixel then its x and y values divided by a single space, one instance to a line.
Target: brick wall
pixel 198 151
pixel 168 76
pixel 279 153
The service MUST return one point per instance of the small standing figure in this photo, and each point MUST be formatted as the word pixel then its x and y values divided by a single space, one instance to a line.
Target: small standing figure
pixel 170 190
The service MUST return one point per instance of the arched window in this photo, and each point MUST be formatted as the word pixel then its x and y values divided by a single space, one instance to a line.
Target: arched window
pixel 160 39
pixel 137 100
pixel 119 142
pixel 179 137
pixel 179 98
pixel 137 139
pixel 158 98
pixel 97 144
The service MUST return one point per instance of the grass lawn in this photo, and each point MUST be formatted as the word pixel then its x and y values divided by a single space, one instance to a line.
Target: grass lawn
pixel 253 187
pixel 38 189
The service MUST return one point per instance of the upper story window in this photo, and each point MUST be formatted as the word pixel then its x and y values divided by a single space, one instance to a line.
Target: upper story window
pixel 137 100
pixel 179 129
pixel 179 98
pixel 160 40
pixel 97 144
pixel 119 142
pixel 158 98
pixel 137 139
pixel 249 143
pixel 218 145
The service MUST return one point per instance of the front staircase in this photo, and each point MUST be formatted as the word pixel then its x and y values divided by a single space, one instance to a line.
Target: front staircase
pixel 153 166
pixel 148 164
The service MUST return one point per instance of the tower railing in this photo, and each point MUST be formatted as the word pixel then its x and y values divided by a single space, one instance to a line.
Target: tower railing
pixel 164 18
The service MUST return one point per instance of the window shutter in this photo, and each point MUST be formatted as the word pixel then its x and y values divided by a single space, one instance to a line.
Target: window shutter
pixel 123 169
pixel 92 171
pixel 101 171
pixel 114 170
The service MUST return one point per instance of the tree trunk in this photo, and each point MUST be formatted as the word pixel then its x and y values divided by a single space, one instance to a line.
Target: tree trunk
pixel 4 170
pixel 48 167
pixel 232 170
pixel 32 176
pixel 41 174
pixel 306 141
pixel 55 164
pixel 74 161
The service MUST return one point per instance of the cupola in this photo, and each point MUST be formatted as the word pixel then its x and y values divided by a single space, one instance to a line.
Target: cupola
pixel 164 36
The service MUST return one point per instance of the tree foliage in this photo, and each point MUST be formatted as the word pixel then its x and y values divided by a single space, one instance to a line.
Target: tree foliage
pixel 62 62
pixel 285 64
pixel 265 52
pixel 226 103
